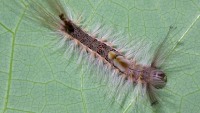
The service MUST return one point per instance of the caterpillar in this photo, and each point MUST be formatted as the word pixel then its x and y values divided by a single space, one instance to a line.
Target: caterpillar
pixel 149 77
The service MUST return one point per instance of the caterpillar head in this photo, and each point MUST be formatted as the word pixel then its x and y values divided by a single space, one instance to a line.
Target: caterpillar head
pixel 158 79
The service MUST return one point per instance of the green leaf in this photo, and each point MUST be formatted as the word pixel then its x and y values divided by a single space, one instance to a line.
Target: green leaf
pixel 33 78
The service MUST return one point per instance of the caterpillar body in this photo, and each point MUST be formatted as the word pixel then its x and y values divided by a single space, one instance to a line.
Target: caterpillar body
pixel 125 66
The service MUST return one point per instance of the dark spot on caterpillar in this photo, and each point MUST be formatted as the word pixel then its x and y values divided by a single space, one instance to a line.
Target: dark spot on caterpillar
pixel 62 17
pixel 68 25
pixel 101 49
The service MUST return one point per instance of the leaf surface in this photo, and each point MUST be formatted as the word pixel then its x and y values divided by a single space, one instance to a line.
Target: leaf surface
pixel 35 79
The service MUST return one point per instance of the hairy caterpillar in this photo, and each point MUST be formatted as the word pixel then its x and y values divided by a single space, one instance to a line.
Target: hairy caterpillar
pixel 126 66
